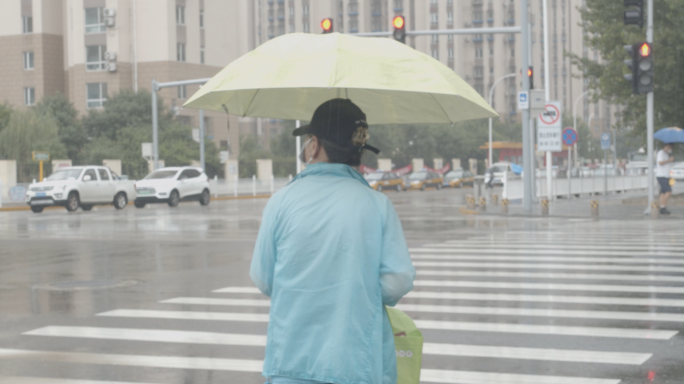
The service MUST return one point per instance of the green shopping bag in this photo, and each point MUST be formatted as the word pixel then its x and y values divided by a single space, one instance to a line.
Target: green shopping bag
pixel 408 341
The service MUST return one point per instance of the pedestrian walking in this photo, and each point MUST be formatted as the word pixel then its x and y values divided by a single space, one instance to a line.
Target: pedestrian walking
pixel 664 163
pixel 331 254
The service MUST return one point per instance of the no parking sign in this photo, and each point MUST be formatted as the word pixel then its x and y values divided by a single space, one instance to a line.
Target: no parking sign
pixel 549 128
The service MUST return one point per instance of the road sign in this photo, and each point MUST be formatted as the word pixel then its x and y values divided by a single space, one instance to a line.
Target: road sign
pixel 41 156
pixel 196 135
pixel 523 100
pixel 537 101
pixel 605 141
pixel 569 136
pixel 147 150
pixel 549 128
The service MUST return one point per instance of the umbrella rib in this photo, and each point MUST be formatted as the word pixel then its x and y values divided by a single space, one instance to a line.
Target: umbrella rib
pixel 440 106
pixel 250 102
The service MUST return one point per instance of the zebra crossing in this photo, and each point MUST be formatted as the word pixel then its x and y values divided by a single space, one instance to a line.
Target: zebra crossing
pixel 591 314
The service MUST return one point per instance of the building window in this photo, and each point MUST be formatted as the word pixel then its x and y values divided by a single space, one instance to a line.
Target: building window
pixel 305 26
pixel 450 3
pixel 27 24
pixel 435 39
pixel 29 96
pixel 201 19
pixel 398 5
pixel 180 52
pixel 433 2
pixel 491 52
pixel 305 9
pixel 450 53
pixel 479 72
pixel 96 94
pixel 202 55
pixel 450 17
pixel 95 58
pixel 94 22
pixel 292 27
pixel 353 26
pixel 478 53
pixel 512 52
pixel 434 18
pixel 491 70
pixel 450 38
pixel 477 16
pixel 291 10
pixel 180 15
pixel 182 91
pixel 479 88
pixel 435 54
pixel 28 60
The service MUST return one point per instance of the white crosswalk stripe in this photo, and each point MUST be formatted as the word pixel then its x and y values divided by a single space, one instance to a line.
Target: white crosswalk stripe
pixel 548 286
pixel 465 255
pixel 582 267
pixel 553 276
pixel 193 337
pixel 52 380
pixel 552 247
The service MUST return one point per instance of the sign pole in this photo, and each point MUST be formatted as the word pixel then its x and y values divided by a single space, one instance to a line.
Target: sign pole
pixel 528 150
pixel 605 174
pixel 649 114
pixel 569 170
pixel 40 174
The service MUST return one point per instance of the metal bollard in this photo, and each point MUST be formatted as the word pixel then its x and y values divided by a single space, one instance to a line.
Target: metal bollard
pixel 253 185
pixel 504 205
pixel 495 199
pixel 655 210
pixel 470 201
pixel 594 208
pixel 545 207
pixel 483 203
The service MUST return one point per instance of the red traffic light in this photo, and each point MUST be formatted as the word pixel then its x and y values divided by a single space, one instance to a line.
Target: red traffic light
pixel 645 50
pixel 327 24
pixel 529 72
pixel 398 22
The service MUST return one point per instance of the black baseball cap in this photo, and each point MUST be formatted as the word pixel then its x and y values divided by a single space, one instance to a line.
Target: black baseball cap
pixel 338 120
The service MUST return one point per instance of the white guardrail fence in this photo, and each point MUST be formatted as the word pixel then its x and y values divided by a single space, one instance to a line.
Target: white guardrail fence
pixel 513 186
pixel 246 187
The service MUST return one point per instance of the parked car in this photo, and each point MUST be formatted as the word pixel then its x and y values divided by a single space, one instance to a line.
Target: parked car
pixel 172 185
pixel 84 187
pixel 499 169
pixel 677 171
pixel 423 180
pixel 458 178
pixel 385 180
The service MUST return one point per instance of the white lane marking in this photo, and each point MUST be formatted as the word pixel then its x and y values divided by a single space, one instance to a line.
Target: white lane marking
pixel 467 377
pixel 52 380
pixel 179 362
pixel 651 302
pixel 637 258
pixel 587 267
pixel 162 336
pixel 502 352
pixel 214 338
pixel 427 375
pixel 616 315
pixel 558 330
pixel 549 286
pixel 546 275
pixel 630 248
pixel 186 315
pixel 423 324
pixel 567 313
pixel 572 259
pixel 237 290
pixel 561 251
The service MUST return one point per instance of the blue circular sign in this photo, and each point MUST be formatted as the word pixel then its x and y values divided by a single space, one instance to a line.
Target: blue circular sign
pixel 569 136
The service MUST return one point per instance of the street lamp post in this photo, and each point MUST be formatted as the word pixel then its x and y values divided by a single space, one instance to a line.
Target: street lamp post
pixel 491 93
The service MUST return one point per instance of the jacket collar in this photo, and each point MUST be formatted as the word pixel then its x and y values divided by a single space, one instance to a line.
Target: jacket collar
pixel 332 169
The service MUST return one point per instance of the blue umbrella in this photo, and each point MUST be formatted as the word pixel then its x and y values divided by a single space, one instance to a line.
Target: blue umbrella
pixel 670 135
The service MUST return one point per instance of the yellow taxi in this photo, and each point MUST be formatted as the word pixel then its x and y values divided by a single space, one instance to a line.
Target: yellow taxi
pixel 459 178
pixel 423 180
pixel 385 180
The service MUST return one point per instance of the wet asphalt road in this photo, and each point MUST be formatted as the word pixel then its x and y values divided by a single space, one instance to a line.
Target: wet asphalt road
pixel 127 296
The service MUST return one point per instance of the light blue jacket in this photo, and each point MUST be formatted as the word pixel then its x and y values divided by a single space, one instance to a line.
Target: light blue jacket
pixel 330 253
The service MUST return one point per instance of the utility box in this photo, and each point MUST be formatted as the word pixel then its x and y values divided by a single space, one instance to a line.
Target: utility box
pixel 417 165
pixel 264 169
pixel 385 165
pixel 437 163
pixel 455 163
pixel 57 164
pixel 230 169
pixel 472 166
pixel 8 176
pixel 113 165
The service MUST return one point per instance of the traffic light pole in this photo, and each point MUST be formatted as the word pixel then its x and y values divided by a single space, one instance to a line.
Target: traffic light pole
pixel 547 95
pixel 463 31
pixel 649 116
pixel 528 178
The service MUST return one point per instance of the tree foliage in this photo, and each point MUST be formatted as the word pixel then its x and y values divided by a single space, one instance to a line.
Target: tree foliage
pixel 606 33
pixel 70 130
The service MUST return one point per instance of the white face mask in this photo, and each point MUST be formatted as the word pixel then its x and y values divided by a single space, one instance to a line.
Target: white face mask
pixel 301 152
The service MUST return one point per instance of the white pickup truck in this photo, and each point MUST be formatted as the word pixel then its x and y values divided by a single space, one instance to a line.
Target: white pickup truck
pixel 83 187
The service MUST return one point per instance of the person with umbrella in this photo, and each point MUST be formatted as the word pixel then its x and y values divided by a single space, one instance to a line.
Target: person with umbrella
pixel 331 253
pixel 663 164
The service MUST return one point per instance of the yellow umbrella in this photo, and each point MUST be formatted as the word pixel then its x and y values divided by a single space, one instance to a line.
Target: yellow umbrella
pixel 289 76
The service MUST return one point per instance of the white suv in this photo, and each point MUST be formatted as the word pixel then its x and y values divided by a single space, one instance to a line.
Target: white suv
pixel 172 185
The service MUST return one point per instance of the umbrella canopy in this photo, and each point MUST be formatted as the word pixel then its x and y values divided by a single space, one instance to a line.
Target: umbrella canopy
pixel 670 135
pixel 289 76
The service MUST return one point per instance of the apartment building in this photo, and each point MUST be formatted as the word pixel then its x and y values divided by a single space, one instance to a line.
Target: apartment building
pixel 91 49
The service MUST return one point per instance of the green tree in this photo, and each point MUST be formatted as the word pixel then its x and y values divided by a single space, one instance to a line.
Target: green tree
pixel 71 132
pixel 606 33
pixel 250 152
pixel 5 112
pixel 28 131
